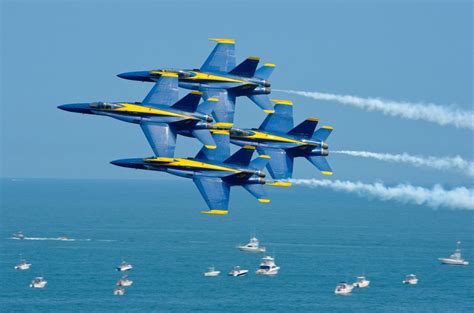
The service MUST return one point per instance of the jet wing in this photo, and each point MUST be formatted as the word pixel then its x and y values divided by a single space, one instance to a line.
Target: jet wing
pixel 280 164
pixel 164 92
pixel 225 107
pixel 161 137
pixel 215 192
pixel 222 58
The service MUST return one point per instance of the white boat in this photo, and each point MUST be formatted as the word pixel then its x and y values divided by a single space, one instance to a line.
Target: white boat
pixel 455 258
pixel 268 266
pixel 64 238
pixel 252 246
pixel 23 265
pixel 361 282
pixel 119 291
pixel 410 280
pixel 18 235
pixel 211 272
pixel 124 282
pixel 237 271
pixel 343 288
pixel 38 282
pixel 124 267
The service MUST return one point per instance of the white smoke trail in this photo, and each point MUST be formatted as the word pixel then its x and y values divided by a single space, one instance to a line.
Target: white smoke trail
pixel 441 115
pixel 457 198
pixel 439 163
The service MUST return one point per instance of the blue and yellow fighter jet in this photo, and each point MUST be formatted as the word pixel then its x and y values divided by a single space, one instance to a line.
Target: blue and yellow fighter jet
pixel 161 116
pixel 278 138
pixel 219 77
pixel 213 171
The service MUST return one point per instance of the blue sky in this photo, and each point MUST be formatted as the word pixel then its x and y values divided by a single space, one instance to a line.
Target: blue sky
pixel 64 52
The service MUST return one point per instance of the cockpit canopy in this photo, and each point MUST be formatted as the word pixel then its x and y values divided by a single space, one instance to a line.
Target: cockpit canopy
pixel 241 132
pixel 181 73
pixel 105 105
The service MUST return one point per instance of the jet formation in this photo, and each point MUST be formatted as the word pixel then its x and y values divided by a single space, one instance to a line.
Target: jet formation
pixel 207 114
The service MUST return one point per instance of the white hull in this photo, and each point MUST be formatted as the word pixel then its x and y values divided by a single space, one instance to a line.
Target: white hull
pixel 410 282
pixel 119 292
pixel 23 267
pixel 362 284
pixel 239 273
pixel 212 274
pixel 345 291
pixel 251 249
pixel 38 285
pixel 269 272
pixel 124 268
pixel 453 261
pixel 125 283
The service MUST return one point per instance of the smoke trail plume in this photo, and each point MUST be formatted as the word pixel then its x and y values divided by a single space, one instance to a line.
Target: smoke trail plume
pixel 457 198
pixel 439 163
pixel 442 115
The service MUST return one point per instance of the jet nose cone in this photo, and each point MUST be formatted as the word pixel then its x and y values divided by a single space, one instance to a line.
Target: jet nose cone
pixel 140 76
pixel 76 107
pixel 130 163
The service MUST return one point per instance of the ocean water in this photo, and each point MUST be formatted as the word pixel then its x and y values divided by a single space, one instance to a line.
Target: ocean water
pixel 318 237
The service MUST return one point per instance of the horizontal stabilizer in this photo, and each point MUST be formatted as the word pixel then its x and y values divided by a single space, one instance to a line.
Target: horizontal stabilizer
pixel 265 71
pixel 219 153
pixel 323 133
pixel 321 164
pixel 222 58
pixel 260 162
pixel 161 137
pixel 207 106
pixel 224 109
pixel 242 156
pixel 305 128
pixel 280 165
pixel 188 103
pixel 165 91
pixel 205 137
pixel 215 192
pixel 246 68
pixel 282 119
pixel 257 191
pixel 263 101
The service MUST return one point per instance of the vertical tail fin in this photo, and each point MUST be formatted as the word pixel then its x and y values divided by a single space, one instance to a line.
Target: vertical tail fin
pixel 260 162
pixel 257 191
pixel 263 101
pixel 323 133
pixel 265 71
pixel 305 128
pixel 188 103
pixel 281 119
pixel 219 154
pixel 246 68
pixel 242 156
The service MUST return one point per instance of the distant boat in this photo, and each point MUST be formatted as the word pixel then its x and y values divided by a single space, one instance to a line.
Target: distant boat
pixel 124 282
pixel 211 272
pixel 124 267
pixel 63 238
pixel 18 235
pixel 455 258
pixel 38 282
pixel 361 282
pixel 410 279
pixel 23 265
pixel 343 288
pixel 268 266
pixel 237 271
pixel 119 291
pixel 252 246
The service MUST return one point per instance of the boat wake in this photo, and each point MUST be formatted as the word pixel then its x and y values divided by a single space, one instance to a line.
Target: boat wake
pixel 49 238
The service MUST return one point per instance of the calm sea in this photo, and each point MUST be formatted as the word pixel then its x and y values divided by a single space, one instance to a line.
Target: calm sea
pixel 318 237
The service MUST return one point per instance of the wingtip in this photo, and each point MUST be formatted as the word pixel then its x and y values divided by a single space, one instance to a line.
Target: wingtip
pixel 326 172
pixel 215 212
pixel 263 200
pixel 223 40
pixel 269 111
pixel 212 147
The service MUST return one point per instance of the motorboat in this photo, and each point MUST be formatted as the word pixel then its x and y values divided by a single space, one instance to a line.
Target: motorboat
pixel 211 272
pixel 237 271
pixel 124 267
pixel 361 282
pixel 119 291
pixel 343 288
pixel 268 266
pixel 23 265
pixel 124 282
pixel 64 238
pixel 410 280
pixel 38 282
pixel 252 246
pixel 455 258
pixel 18 235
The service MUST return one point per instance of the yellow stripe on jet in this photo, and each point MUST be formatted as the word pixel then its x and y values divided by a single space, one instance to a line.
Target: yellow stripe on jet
pixel 263 200
pixel 265 136
pixel 205 76
pixel 133 108
pixel 217 212
pixel 223 40
pixel 286 102
pixel 179 162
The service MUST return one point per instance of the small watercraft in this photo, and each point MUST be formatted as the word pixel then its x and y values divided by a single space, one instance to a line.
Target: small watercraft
pixel 119 291
pixel 252 246
pixel 64 238
pixel 38 282
pixel 124 267
pixel 237 271
pixel 124 282
pixel 23 265
pixel 361 282
pixel 455 258
pixel 410 280
pixel 18 235
pixel 211 272
pixel 343 288
pixel 268 266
